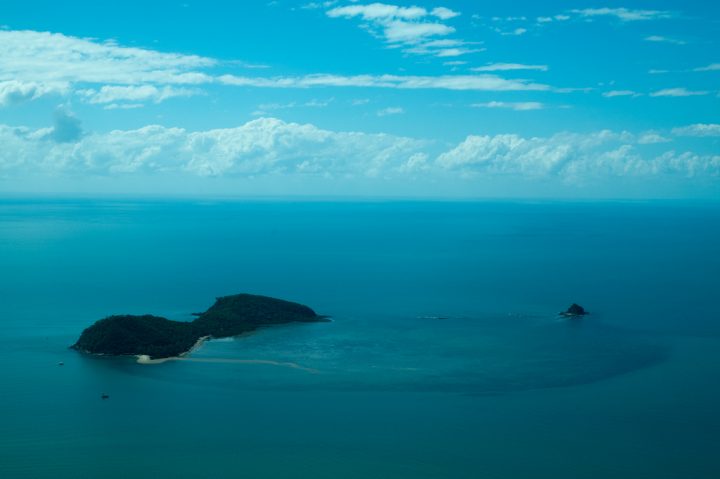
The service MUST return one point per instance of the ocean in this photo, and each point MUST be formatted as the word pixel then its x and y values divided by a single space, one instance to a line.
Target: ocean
pixel 445 357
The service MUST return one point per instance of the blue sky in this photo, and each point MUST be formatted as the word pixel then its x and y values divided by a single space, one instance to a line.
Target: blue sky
pixel 575 99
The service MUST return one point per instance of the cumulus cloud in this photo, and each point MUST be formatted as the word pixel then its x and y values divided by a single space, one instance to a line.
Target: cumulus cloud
pixel 698 129
pixel 417 162
pixel 444 13
pixel 571 156
pixel 259 147
pixel 14 91
pixel 267 147
pixel 652 138
pixel 415 29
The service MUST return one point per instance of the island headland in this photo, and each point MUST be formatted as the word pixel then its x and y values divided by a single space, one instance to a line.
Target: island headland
pixel 158 337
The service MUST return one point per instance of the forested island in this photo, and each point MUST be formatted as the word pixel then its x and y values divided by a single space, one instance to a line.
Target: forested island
pixel 574 311
pixel 159 337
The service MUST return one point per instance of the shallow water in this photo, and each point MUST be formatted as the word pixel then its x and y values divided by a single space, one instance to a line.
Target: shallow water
pixel 445 357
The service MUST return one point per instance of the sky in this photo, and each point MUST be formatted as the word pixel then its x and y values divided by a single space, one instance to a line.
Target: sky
pixel 419 99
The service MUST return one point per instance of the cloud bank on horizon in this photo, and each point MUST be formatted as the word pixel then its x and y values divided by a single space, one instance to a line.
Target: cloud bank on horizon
pixel 415 99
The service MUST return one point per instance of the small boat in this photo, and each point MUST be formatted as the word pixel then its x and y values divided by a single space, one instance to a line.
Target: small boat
pixel 104 396
pixel 61 363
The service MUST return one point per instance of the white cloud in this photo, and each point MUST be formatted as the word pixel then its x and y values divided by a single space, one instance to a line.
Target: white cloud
pixel 414 29
pixel 123 106
pixel 708 68
pixel 661 39
pixel 259 147
pixel 698 129
pixel 14 91
pixel 616 93
pixel 444 13
pixel 517 31
pixel 53 57
pixel 135 93
pixel 264 108
pixel 555 18
pixel 624 14
pixel 455 52
pixel 573 157
pixel 391 110
pixel 399 31
pixel 678 92
pixel 445 47
pixel 378 11
pixel 495 67
pixel 442 82
pixel 652 138
pixel 417 162
pixel 508 19
pixel 517 106
pixel 519 25
pixel 713 67
pixel 313 5
pixel 34 64
pixel 268 147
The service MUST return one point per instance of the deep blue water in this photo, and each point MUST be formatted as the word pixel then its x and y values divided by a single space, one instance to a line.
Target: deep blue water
pixel 445 358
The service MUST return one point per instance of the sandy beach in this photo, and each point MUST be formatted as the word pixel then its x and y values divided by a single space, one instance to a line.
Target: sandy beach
pixel 145 359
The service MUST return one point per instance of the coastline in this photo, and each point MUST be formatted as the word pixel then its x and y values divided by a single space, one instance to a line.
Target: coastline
pixel 146 359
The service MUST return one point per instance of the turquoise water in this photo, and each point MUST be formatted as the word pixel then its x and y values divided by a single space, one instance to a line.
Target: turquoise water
pixel 445 357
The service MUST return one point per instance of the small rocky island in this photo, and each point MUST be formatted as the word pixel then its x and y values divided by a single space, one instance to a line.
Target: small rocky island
pixel 574 311
pixel 159 337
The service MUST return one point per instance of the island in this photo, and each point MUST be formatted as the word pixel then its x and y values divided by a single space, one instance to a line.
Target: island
pixel 157 337
pixel 574 311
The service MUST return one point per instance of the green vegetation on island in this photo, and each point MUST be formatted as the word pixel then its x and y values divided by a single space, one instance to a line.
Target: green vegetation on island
pixel 159 337
pixel 574 311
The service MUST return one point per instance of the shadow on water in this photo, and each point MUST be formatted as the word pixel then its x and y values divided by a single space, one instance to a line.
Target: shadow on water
pixel 475 356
